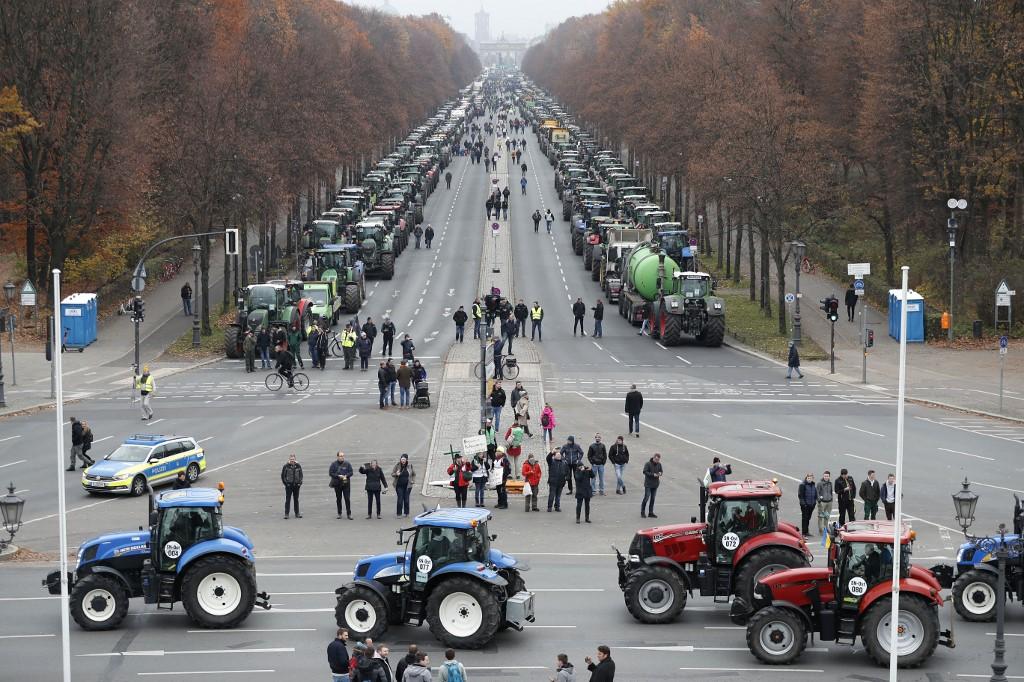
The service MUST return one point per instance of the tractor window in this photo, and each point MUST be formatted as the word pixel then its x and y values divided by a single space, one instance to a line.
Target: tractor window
pixel 864 565
pixel 182 527
pixel 695 288
pixel 451 545
pixel 737 520
pixel 262 297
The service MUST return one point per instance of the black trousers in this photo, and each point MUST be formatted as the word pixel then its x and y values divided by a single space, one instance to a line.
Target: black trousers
pixel 849 312
pixel 578 321
pixel 890 510
pixel 291 492
pixel 343 494
pixel 372 495
pixel 806 512
pixel 389 344
pixel 846 510
pixel 581 503
pixel 461 493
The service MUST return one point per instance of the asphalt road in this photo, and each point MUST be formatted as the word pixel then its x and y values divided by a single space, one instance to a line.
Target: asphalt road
pixel 699 402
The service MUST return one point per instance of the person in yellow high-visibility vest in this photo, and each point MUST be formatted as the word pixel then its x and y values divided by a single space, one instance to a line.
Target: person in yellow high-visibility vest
pixel 146 386
pixel 536 315
pixel 348 346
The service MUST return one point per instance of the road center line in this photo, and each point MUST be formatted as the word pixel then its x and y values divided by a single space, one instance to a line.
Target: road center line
pixel 3 440
pixel 769 433
pixel 10 464
pixel 967 454
pixel 868 459
pixel 870 433
pixel 684 359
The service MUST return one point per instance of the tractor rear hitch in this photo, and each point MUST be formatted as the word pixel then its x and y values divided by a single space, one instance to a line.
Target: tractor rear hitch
pixel 263 600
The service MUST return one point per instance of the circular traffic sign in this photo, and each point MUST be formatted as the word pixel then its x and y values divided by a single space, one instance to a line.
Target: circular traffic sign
pixel 790 298
pixel 858 284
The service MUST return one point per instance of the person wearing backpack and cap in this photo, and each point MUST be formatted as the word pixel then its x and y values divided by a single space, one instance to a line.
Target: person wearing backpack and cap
pixel 451 670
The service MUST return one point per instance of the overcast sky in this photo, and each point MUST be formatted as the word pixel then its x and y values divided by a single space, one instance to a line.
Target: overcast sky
pixel 523 18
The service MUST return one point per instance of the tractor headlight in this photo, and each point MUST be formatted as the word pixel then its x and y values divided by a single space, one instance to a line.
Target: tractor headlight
pixel 675 304
pixel 121 477
pixel 634 558
pixel 718 306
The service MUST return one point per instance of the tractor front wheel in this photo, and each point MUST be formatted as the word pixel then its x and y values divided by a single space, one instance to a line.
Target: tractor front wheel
pixel 917 631
pixel 762 564
pixel 233 342
pixel 387 264
pixel 98 602
pixel 362 611
pixel 776 636
pixel 654 594
pixel 463 613
pixel 351 298
pixel 974 596
pixel 218 591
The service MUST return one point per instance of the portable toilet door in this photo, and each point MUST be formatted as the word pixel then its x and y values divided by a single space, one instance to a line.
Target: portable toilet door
pixel 915 315
pixel 78 319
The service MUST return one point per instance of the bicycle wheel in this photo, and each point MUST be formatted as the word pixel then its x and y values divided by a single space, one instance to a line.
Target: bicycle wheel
pixel 511 371
pixel 274 381
pixel 478 370
pixel 300 381
pixel 336 349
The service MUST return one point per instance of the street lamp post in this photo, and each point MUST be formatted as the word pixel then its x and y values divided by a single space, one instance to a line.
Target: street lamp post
pixel 3 325
pixel 951 228
pixel 965 501
pixel 9 297
pixel 10 508
pixel 196 250
pixel 799 248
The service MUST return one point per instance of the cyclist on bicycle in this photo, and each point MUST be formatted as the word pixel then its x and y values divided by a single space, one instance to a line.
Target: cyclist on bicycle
pixel 284 366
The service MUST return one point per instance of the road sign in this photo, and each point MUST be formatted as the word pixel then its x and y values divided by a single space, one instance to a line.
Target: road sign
pixel 28 294
pixel 858 284
pixel 1004 341
pixel 1004 289
pixel 860 269
pixel 1002 351
pixel 1003 300
pixel 790 298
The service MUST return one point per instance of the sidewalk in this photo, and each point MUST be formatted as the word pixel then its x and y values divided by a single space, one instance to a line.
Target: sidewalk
pixel 965 379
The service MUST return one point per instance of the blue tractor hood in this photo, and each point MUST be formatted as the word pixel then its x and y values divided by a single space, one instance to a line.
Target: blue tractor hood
pixel 502 560
pixel 114 545
pixel 371 567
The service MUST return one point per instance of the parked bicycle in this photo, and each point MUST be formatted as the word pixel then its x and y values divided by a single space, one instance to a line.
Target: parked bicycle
pixel 274 381
pixel 510 369
pixel 170 268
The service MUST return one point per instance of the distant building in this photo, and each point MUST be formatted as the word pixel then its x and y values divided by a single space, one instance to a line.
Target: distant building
pixel 483 26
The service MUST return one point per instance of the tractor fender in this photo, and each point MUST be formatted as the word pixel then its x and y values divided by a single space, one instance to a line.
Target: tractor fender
pixel 377 587
pixel 106 570
pixel 907 585
pixel 712 311
pixel 674 565
pixel 776 539
pixel 470 569
pixel 790 606
pixel 216 546
pixel 986 568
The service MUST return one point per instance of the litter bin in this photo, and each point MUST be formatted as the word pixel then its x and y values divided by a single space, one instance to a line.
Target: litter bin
pixel 976 328
pixel 78 320
pixel 915 315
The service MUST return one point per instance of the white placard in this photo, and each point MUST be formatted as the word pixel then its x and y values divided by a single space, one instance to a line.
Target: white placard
pixel 73 312
pixel 474 444
pixel 860 269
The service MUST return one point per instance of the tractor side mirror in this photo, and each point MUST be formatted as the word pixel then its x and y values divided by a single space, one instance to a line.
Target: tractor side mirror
pixel 494 537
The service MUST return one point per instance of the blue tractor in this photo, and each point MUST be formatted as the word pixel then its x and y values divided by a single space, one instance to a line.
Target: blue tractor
pixel 448 575
pixel 188 555
pixel 974 590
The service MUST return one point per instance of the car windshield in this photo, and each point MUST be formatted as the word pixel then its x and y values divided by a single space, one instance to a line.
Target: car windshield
pixel 319 296
pixel 129 453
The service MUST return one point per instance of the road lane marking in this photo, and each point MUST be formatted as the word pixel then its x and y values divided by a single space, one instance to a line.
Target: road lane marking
pixel 562 589
pixel 191 652
pixel 28 598
pixel 25 636
pixel 328 610
pixel 870 433
pixel 209 672
pixel 868 459
pixel 161 419
pixel 766 670
pixel 596 344
pixel 967 454
pixel 228 632
pixel 100 440
pixel 10 464
pixel 968 430
pixel 587 398
pixel 203 440
pixel 998 487
pixel 297 575
pixel 684 359
pixel 769 433
pixel 716 416
pixel 3 440
pixel 280 447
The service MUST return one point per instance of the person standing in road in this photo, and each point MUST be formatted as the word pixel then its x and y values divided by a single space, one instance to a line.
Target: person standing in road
pixel 403 478
pixel 597 455
pixel 572 455
pixel 382 383
pixel 548 219
pixel 564 670
pixel 536 316
pixel 341 480
pixel 807 496
pixel 337 657
pixel 393 378
pixel 460 318
pixel 181 482
pixel 547 423
pixel 448 179
pixel 558 474
pixel 87 444
pixel 375 484
pixel 478 316
pixel 382 657
pixel 870 492
pixel 846 492
pixel 418 671
pixel 521 312
pixel 604 669
pixel 408 348
pixel 490 206
pixel 76 444
pixel 536 220
pixel 824 501
pixel 263 346
pixel 579 309
pixel 387 332
pixel 499 372
pixel 793 362
pixel 451 670
pixel 370 329
pixel 186 299
pixel 532 474
pixel 618 455
pixel 348 345
pixel 584 477
pixel 497 403
pixel 461 472
pixel 249 350
pixel 365 348
pixel 634 403
pixel 146 386
pixel 888 495
pixel 428 235
pixel 598 319
pixel 481 469
pixel 418 234
pixel 406 661
pixel 851 302
pixel 522 184
pixel 652 479
pixel 291 477
pixel 404 374
pixel 295 344
pixel 502 463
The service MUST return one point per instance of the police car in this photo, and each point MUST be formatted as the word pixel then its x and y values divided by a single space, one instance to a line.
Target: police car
pixel 145 459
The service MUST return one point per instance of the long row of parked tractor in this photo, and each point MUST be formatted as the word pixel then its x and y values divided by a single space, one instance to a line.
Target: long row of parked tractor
pixel 643 260
pixel 360 235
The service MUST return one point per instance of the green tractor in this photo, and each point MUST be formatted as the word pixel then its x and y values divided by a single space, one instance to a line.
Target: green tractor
pixel 259 305
pixel 376 249
pixel 339 266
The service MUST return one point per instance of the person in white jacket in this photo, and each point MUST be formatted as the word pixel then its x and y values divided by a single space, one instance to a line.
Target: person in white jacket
pixel 564 670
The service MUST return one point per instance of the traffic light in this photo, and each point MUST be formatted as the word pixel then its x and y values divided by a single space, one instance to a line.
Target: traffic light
pixel 138 309
pixel 824 304
pixel 870 341
pixel 231 241
pixel 833 309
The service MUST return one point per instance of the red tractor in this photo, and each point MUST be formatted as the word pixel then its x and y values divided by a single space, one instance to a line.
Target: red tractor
pixel 850 598
pixel 741 542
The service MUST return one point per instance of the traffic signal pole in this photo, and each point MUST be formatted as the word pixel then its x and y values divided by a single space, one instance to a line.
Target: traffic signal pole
pixel 832 351
pixel 864 343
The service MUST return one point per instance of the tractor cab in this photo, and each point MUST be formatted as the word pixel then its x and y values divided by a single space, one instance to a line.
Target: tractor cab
pixel 264 305
pixel 183 518
pixel 676 243
pixel 321 232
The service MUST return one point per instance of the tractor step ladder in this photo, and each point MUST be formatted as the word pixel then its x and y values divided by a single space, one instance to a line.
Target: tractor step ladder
pixel 165 593
pixel 723 585
pixel 846 628
pixel 414 611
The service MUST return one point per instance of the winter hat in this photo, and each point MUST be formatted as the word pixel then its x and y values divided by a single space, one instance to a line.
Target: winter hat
pixel 571 439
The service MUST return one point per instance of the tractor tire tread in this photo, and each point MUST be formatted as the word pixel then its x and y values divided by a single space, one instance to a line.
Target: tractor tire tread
pixel 492 614
pixel 776 613
pixel 218 564
pixel 631 594
pixel 925 612
pixel 91 582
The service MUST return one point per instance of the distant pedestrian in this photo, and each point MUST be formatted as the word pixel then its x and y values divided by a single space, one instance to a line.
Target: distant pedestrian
pixel 514 444
pixel 598 318
pixel 418 671
pixel 824 501
pixel 793 362
pixel 497 399
pixel 846 492
pixel 634 403
pixel 249 350
pixel 295 344
pixel 87 443
pixel 382 383
pixel 321 346
pixel 501 463
pixel 536 317
pixel 523 168
pixel 408 348
pixel 536 220
pixel 460 317
pixel 291 478
pixel 181 482
pixel 505 193
pixel 558 474
pixel 375 484
pixel 263 347
pixel 522 184
pixel 387 332
pixel 478 316
pixel 870 492
pixel 504 209
pixel 428 235
pixel 522 410
pixel 652 479
pixel 497 349
pixel 572 453
pixel 461 472
pixel 851 303
pixel 371 331
pixel 448 179
pixel 186 299
pixel 451 670
pixel 337 656
pixel 807 496
pixel 579 309
pixel 547 423
pixel 393 378
pixel 532 474
pixel 365 348
pixel 717 471
pixel 146 387
pixel 604 669
pixel 597 456
pixel 341 481
pixel 584 477
pixel 548 219
pixel 404 374
pixel 481 469
pixel 888 495
pixel 618 455
pixel 418 234
pixel 76 444
pixel 403 478
pixel 406 661
pixel 564 670
pixel 521 312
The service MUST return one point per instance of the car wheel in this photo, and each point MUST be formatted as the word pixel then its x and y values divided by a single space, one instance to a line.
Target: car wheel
pixel 192 472
pixel 139 486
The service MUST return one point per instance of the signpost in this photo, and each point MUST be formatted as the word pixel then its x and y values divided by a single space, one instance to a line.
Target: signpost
pixel 858 271
pixel 1003 343
pixel 1004 299
pixel 495 231
pixel 28 294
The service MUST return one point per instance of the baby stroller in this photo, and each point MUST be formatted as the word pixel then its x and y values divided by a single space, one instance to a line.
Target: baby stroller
pixel 422 396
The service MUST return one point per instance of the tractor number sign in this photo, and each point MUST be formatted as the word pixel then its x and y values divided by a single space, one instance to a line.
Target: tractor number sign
pixel 857 586
pixel 172 549
pixel 424 564
pixel 730 541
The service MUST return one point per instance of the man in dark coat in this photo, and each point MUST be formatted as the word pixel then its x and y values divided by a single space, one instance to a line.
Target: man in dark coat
pixel 846 492
pixel 521 312
pixel 604 669
pixel 291 477
pixel 387 332
pixel 579 309
pixel 851 302
pixel 793 363
pixel 634 403
pixel 652 479
pixel 598 319
pixel 584 477
pixel 460 317
pixel 558 474
pixel 375 483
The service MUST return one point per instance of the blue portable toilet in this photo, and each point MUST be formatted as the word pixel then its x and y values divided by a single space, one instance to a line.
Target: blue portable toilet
pixel 915 315
pixel 79 319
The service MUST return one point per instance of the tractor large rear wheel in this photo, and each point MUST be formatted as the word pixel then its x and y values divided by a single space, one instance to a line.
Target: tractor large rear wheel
pixel 776 636
pixel 917 631
pixel 714 332
pixel 387 264
pixel 362 611
pixel 463 614
pixel 218 591
pixel 596 268
pixel 350 298
pixel 654 594
pixel 672 330
pixel 578 242
pixel 974 596
pixel 233 342
pixel 588 256
pixel 99 602
pixel 760 565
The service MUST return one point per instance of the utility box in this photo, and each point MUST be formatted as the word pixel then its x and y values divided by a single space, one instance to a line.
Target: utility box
pixel 915 315
pixel 79 318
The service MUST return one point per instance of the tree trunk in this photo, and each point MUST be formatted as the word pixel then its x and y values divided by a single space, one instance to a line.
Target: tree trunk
pixel 766 300
pixel 686 209
pixel 738 225
pixel 226 297
pixel 204 280
pixel 751 259
pixel 780 299
pixel 243 253
pixel 273 243
pixel 261 261
pixel 722 229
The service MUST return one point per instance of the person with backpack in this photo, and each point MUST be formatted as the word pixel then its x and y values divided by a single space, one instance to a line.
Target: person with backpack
pixel 418 234
pixel 547 423
pixel 451 670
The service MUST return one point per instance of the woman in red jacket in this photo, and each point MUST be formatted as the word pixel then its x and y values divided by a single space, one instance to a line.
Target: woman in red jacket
pixel 462 474
pixel 532 474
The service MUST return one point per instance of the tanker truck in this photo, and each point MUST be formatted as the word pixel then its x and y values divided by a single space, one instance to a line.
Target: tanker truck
pixel 677 304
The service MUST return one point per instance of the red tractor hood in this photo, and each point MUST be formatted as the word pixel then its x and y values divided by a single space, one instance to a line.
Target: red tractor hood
pixel 672 530
pixel 787 527
pixel 681 542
